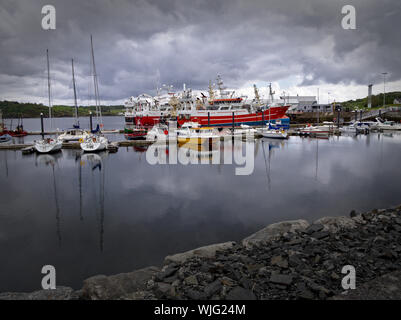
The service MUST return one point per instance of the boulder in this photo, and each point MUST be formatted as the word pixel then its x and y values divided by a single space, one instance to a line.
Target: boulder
pixel 60 293
pixel 334 224
pixel 102 287
pixel 204 252
pixel 239 293
pixel 274 231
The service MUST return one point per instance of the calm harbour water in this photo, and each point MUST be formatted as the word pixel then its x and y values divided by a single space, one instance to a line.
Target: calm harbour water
pixel 130 214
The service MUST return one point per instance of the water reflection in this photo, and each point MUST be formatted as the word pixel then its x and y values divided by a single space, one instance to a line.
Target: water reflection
pixel 116 212
pixel 50 161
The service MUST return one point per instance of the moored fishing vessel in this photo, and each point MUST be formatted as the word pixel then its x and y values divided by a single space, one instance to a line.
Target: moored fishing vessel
pixel 221 108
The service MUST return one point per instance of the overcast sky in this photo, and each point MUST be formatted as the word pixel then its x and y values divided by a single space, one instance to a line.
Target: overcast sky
pixel 298 45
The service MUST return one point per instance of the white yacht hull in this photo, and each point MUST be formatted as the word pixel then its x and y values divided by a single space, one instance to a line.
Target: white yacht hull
pixel 43 146
pixel 94 144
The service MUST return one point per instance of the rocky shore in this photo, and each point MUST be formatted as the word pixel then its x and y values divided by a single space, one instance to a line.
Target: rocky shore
pixel 286 260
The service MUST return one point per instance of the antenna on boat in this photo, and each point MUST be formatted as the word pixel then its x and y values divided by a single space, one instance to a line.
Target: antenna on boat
pixel 75 95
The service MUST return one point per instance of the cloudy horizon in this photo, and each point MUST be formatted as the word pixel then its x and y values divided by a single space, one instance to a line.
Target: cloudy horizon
pixel 298 46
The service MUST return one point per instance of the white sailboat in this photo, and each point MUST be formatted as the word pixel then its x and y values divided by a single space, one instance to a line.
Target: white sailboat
pixel 74 134
pixel 47 145
pixel 269 131
pixel 96 141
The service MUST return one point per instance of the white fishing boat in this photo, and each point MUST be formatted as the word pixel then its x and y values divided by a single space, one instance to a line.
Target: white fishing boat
pixel 158 133
pixel 198 136
pixel 387 125
pixel 48 145
pixel 94 143
pixel 73 135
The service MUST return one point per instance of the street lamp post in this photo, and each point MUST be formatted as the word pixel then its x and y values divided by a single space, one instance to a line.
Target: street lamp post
pixel 384 88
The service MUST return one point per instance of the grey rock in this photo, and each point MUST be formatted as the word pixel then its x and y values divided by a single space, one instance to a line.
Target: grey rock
pixel 191 280
pixel 281 279
pixel 239 293
pixel 102 287
pixel 60 293
pixel 162 290
pixel 314 228
pixel 279 261
pixel 205 252
pixel 274 231
pixel 334 224
pixel 196 295
pixel 213 288
pixel 320 235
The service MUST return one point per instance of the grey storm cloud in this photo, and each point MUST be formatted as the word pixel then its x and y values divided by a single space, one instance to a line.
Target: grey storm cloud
pixel 140 42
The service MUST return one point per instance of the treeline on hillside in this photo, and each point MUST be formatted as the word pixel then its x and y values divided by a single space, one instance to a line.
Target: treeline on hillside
pixel 12 109
pixel 377 101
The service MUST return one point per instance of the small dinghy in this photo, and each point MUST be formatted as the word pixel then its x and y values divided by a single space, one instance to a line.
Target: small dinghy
pixel 5 138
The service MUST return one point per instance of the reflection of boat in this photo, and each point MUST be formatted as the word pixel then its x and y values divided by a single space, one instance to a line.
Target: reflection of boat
pixel 197 135
pixel 94 143
pixel 47 159
pixel 195 152
pixel 140 148
pixel 50 160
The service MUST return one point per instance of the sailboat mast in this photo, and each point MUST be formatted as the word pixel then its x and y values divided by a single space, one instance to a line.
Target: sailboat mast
pixel 75 94
pixel 48 87
pixel 96 86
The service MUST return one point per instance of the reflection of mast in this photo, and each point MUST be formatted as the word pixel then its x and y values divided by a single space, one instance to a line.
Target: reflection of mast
pixel 5 160
pixel 80 191
pixel 317 157
pixel 57 207
pixel 102 210
pixel 267 166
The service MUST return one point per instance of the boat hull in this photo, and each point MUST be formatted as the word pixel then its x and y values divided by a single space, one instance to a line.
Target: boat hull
pixel 48 147
pixel 208 118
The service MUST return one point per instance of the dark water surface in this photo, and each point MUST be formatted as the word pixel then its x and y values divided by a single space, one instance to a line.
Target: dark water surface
pixel 130 214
